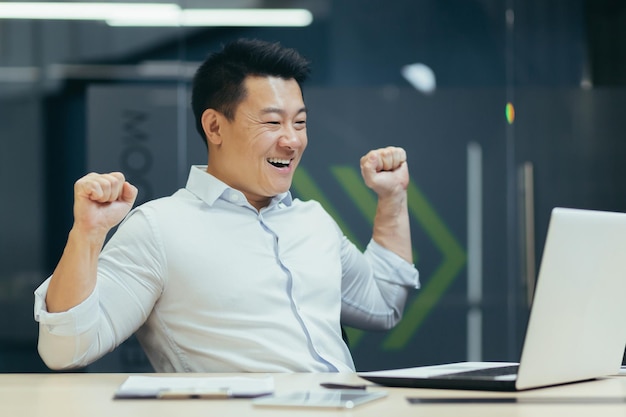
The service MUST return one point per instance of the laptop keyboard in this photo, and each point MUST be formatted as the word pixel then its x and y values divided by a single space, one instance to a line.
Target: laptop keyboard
pixel 484 372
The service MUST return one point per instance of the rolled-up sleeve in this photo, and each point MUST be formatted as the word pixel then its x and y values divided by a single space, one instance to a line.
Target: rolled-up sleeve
pixel 62 335
pixel 375 286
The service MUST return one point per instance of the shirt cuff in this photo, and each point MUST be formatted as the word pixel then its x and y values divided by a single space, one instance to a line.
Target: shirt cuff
pixel 72 322
pixel 399 270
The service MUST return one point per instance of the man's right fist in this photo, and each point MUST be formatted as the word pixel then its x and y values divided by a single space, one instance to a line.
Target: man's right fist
pixel 101 201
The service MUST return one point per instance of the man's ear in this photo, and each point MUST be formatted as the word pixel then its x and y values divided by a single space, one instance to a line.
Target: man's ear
pixel 212 124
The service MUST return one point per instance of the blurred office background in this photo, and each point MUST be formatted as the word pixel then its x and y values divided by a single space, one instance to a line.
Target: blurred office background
pixel 507 108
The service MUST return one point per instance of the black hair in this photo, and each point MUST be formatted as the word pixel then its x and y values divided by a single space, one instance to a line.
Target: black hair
pixel 219 81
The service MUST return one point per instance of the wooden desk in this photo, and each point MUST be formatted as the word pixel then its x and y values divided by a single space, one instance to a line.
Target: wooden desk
pixel 90 395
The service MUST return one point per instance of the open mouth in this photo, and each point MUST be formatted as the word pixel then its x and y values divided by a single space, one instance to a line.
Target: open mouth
pixel 279 162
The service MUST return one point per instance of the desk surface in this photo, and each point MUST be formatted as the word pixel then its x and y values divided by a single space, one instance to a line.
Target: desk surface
pixel 91 395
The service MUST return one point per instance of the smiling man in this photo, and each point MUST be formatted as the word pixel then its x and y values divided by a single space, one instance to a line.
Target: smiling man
pixel 258 149
pixel 230 273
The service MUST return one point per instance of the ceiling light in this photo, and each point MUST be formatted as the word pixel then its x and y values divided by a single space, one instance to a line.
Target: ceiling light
pixel 155 14
pixel 87 11
pixel 223 18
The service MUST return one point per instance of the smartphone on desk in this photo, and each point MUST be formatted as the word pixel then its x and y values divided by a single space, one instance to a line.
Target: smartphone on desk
pixel 320 399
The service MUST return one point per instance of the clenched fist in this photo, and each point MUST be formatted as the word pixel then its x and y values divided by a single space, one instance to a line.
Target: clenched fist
pixel 101 201
pixel 385 170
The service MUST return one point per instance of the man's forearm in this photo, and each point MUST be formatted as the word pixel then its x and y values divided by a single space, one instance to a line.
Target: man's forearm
pixel 74 278
pixel 391 225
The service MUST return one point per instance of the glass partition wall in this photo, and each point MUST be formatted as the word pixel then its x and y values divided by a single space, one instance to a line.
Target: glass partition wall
pixel 506 109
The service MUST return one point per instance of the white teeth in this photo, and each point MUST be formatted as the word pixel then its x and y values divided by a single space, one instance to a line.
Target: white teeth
pixel 278 161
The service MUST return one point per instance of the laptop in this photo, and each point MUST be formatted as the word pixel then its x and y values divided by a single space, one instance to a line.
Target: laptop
pixel 577 325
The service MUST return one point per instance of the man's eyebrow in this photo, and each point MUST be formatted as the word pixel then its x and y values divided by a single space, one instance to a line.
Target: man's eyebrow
pixel 280 111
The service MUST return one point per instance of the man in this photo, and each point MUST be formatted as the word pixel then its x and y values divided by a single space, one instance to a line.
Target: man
pixel 230 274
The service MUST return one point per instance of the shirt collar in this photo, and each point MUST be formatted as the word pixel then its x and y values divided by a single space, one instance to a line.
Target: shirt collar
pixel 209 189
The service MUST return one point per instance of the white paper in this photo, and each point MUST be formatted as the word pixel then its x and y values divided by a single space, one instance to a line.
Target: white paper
pixel 147 386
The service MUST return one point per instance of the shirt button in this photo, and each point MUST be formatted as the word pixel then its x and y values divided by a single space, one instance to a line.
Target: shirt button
pixel 234 197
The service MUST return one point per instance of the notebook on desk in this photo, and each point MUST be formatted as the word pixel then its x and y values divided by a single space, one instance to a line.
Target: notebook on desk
pixel 577 325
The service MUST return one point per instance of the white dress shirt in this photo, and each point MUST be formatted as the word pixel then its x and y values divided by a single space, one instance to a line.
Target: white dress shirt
pixel 210 284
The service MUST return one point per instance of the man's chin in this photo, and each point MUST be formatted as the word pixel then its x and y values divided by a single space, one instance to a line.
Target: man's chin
pixel 280 187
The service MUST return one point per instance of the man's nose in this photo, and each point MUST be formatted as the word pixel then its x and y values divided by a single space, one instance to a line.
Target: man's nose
pixel 291 137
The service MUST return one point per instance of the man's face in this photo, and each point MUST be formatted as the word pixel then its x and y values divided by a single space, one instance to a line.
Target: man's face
pixel 261 148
